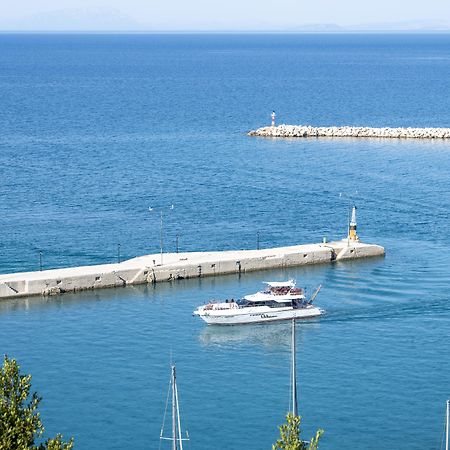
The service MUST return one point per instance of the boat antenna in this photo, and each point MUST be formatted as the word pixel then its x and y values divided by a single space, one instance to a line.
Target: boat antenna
pixel 313 297
pixel 174 410
pixel 294 372
pixel 447 426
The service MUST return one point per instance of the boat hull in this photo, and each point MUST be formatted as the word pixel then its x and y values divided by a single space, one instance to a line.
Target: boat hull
pixel 240 316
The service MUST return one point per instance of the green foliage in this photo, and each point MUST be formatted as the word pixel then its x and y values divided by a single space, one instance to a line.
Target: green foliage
pixel 20 421
pixel 56 444
pixel 290 436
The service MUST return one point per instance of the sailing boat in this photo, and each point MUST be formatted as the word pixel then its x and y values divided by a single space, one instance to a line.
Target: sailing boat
pixel 447 424
pixel 176 438
pixel 294 405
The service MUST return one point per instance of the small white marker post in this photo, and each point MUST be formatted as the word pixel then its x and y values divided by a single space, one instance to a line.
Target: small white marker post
pixel 273 116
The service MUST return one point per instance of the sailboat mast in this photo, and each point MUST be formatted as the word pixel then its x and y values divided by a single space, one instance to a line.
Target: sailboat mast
pixel 294 373
pixel 447 424
pixel 174 411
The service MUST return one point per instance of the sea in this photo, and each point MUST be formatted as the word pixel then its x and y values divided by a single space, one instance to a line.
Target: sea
pixel 96 129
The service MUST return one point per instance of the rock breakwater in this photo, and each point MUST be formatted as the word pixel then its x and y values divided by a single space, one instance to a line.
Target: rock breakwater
pixel 304 131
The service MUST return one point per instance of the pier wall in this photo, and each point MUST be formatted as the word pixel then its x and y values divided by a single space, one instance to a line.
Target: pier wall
pixel 304 131
pixel 148 269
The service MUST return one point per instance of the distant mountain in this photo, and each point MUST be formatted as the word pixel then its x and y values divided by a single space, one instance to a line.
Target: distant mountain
pixel 109 20
pixel 319 27
pixel 92 19
pixel 406 26
pixel 410 25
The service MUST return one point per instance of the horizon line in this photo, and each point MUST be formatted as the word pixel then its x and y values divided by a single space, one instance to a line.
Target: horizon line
pixel 200 31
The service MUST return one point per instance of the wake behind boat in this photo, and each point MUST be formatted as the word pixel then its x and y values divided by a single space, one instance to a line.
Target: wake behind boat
pixel 278 301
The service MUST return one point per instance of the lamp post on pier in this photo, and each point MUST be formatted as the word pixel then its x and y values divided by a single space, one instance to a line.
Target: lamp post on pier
pixel 161 236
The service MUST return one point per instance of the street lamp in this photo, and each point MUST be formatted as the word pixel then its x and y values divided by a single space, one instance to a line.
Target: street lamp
pixel 161 210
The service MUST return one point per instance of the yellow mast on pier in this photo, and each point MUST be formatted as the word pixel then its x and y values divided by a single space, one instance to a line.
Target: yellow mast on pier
pixel 352 236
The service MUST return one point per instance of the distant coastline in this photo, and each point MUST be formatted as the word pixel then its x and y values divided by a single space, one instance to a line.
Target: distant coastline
pixel 233 32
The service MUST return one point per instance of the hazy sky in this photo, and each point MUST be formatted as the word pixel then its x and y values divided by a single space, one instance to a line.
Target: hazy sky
pixel 215 14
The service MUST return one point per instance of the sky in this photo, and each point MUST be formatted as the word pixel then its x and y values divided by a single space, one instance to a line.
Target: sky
pixel 220 15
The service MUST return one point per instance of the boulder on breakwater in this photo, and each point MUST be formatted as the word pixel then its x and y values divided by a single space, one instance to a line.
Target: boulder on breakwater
pixel 304 131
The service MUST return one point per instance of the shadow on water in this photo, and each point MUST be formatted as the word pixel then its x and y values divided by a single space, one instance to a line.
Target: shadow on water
pixel 270 335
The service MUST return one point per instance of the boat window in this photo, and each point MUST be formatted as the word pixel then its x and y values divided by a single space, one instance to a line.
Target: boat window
pixel 274 304
pixel 242 302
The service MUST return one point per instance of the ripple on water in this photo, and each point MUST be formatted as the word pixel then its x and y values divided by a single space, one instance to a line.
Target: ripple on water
pixel 80 175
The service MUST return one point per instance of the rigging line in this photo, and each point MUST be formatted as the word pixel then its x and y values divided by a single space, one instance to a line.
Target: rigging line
pixel 441 445
pixel 165 413
pixel 178 417
pixel 186 428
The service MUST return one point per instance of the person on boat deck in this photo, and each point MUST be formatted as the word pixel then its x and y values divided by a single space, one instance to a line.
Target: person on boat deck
pixel 296 303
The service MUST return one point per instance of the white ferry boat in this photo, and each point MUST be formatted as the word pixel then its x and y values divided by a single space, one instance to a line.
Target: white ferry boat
pixel 278 301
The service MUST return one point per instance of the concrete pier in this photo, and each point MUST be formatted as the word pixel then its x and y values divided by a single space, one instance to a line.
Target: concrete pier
pixel 147 269
pixel 304 131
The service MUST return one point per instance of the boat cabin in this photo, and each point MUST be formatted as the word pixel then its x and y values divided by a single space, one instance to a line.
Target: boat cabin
pixel 285 303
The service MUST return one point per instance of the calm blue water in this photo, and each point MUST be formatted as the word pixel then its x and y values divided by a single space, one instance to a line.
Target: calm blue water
pixel 94 129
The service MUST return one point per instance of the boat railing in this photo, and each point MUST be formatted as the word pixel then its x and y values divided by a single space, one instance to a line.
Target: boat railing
pixel 283 291
pixel 215 305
